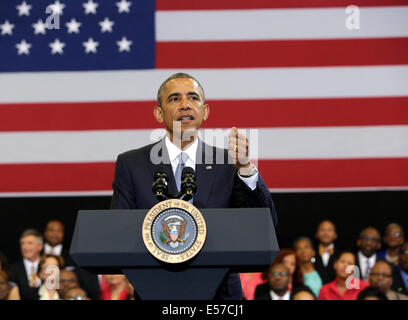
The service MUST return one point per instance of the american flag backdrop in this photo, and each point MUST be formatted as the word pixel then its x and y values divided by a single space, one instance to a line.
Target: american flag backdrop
pixel 330 103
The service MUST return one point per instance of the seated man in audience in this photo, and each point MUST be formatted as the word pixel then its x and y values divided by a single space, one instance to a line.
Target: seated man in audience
pixel 288 258
pixel 53 242
pixel 67 280
pixel 76 294
pixel 345 286
pixel 381 278
pixel 393 239
pixel 50 267
pixel 302 293
pixel 277 286
pixel 26 270
pixel 400 277
pixel 369 242
pixel 326 235
pixel 305 257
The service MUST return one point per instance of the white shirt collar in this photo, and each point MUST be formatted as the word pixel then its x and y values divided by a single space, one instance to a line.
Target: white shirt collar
pixel 29 265
pixel 371 259
pixel 174 151
pixel 274 296
pixel 57 249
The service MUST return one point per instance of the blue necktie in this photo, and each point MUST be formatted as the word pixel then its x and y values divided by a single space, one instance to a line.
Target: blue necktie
pixel 182 163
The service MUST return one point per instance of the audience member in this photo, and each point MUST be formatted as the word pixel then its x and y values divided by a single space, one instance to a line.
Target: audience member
pixel 114 287
pixel 343 287
pixel 249 282
pixel 76 294
pixel 369 242
pixel 5 267
pixel 400 277
pixel 381 278
pixel 304 254
pixel 288 258
pixel 302 293
pixel 277 287
pixel 54 234
pixel 7 291
pixel 393 239
pixel 326 235
pixel 371 293
pixel 50 266
pixel 26 270
pixel 67 280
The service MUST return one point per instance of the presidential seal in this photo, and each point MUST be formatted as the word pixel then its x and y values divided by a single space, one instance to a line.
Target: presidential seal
pixel 174 231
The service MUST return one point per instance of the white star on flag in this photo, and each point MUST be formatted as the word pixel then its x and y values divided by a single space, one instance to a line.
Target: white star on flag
pixel 57 47
pixel 90 7
pixel 73 26
pixel 106 25
pixel 124 44
pixel 90 45
pixel 6 28
pixel 57 8
pixel 24 9
pixel 123 6
pixel 23 47
pixel 39 27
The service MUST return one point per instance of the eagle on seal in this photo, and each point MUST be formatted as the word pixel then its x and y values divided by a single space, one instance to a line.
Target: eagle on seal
pixel 172 232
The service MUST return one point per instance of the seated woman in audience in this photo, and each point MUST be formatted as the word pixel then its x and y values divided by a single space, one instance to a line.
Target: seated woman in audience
pixel 50 267
pixel 347 285
pixel 393 239
pixel 304 254
pixel 7 291
pixel 115 287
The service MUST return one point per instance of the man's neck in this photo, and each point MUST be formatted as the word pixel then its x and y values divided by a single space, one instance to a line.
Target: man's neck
pixel 280 292
pixel 33 260
pixel 326 245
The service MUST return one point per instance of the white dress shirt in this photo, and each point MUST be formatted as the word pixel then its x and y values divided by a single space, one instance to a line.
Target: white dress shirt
pixel 31 266
pixel 191 152
pixel 326 255
pixel 274 296
pixel 56 251
pixel 362 259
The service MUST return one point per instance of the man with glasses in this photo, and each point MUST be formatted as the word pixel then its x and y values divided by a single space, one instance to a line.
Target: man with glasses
pixel 368 244
pixel 381 278
pixel 277 287
pixel 400 283
pixel 393 238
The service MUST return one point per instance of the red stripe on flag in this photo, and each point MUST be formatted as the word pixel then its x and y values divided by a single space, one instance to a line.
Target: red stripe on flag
pixel 268 4
pixel 282 53
pixel 279 174
pixel 242 113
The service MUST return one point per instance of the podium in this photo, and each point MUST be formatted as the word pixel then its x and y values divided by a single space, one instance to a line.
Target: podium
pixel 238 240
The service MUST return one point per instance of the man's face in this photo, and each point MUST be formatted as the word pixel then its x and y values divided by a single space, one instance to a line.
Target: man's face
pixel 381 276
pixel 68 280
pixel 30 247
pixel 340 266
pixel 369 242
pixel 278 277
pixel 404 257
pixel 393 237
pixel 182 106
pixel 54 233
pixel 304 251
pixel 326 233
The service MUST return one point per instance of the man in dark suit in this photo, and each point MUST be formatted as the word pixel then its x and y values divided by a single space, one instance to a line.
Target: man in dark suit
pixel 400 273
pixel 369 242
pixel 225 178
pixel 277 287
pixel 26 270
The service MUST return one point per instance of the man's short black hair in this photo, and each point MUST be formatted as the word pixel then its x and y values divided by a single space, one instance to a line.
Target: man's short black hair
pixel 371 292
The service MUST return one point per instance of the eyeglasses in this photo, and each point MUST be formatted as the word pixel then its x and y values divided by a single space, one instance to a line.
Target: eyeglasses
pixel 377 274
pixel 395 234
pixel 370 239
pixel 277 274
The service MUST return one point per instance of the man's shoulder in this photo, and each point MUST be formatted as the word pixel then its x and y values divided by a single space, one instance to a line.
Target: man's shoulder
pixel 137 153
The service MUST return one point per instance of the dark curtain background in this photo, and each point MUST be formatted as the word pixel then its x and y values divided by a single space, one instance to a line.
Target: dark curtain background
pixel 298 214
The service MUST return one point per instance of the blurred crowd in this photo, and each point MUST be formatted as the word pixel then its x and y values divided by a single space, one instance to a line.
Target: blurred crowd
pixel 312 269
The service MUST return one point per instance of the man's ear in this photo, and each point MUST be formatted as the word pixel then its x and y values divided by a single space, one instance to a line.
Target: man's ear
pixel 206 111
pixel 158 114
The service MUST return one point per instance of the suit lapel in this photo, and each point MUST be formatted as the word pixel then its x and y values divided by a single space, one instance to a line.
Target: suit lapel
pixel 204 172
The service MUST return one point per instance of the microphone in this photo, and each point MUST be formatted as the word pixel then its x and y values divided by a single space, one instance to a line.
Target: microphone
pixel 188 184
pixel 159 186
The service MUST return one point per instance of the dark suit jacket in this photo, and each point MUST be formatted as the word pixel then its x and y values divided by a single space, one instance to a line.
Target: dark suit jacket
pixel 397 282
pixel 218 186
pixel 20 277
pixel 327 273
pixel 262 292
